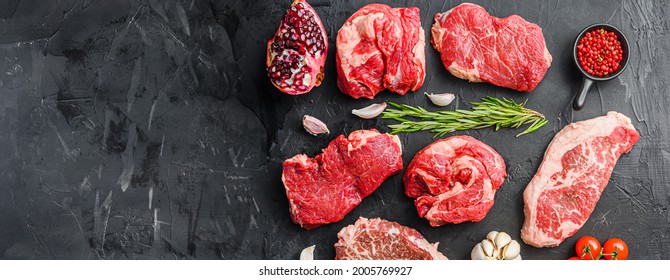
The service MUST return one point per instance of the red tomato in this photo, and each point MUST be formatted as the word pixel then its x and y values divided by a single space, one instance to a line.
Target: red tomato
pixel 615 249
pixel 588 257
pixel 573 259
pixel 587 248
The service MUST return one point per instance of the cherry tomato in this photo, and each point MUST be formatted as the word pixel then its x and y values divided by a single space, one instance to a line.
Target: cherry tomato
pixel 587 248
pixel 588 257
pixel 615 249
pixel 573 258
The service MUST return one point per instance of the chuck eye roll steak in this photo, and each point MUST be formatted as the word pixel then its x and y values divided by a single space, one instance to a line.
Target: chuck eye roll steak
pixel 573 174
pixel 323 189
pixel 454 180
pixel 381 47
pixel 508 52
pixel 379 239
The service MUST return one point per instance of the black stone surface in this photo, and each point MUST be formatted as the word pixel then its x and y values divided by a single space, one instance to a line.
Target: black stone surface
pixel 169 101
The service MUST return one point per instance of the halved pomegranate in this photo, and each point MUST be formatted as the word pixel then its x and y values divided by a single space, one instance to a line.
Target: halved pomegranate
pixel 297 53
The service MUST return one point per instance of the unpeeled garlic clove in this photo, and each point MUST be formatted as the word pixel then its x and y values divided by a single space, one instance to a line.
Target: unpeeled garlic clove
pixel 314 126
pixel 307 254
pixel 492 236
pixel 440 99
pixel 370 112
pixel 502 239
pixel 497 253
pixel 477 252
pixel 512 250
pixel 488 248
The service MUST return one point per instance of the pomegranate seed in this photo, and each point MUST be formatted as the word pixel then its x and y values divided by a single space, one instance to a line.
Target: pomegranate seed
pixel 293 54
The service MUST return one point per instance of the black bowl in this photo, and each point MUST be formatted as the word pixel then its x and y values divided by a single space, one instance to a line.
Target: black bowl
pixel 588 80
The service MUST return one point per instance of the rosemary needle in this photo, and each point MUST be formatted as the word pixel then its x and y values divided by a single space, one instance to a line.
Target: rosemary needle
pixel 490 112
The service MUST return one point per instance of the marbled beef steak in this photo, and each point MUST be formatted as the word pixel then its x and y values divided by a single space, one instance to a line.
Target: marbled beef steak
pixel 380 47
pixel 508 52
pixel 576 168
pixel 379 239
pixel 323 189
pixel 454 180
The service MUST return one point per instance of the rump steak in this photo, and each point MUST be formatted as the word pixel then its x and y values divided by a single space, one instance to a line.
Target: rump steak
pixel 508 52
pixel 379 47
pixel 454 180
pixel 323 189
pixel 379 239
pixel 576 168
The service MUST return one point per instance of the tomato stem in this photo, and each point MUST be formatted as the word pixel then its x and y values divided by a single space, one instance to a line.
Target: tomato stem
pixel 587 249
pixel 614 255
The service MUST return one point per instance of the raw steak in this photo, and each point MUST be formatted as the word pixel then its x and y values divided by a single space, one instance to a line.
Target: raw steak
pixel 378 239
pixel 576 168
pixel 454 180
pixel 508 52
pixel 379 47
pixel 323 189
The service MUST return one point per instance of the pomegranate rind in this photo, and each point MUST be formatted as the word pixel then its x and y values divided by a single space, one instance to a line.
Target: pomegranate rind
pixel 314 58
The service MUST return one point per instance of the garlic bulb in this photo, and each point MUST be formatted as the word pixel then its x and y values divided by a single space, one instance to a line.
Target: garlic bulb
pixel 370 112
pixel 307 254
pixel 440 99
pixel 497 246
pixel 314 126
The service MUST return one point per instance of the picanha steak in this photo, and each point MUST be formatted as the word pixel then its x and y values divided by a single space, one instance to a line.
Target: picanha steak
pixel 380 47
pixel 379 239
pixel 454 180
pixel 323 189
pixel 576 168
pixel 508 52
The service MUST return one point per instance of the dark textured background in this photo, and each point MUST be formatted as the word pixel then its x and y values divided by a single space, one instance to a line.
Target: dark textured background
pixel 169 101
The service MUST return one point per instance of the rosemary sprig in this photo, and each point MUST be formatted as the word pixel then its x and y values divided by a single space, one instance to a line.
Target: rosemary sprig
pixel 490 112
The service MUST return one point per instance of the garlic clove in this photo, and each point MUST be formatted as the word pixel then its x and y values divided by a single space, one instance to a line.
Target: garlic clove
pixel 497 246
pixel 488 248
pixel 502 239
pixel 370 112
pixel 492 236
pixel 307 254
pixel 490 258
pixel 477 252
pixel 440 99
pixel 518 258
pixel 497 253
pixel 314 126
pixel 512 250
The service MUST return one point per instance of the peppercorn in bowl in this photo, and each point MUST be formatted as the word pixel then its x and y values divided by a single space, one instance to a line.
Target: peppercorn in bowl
pixel 601 53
